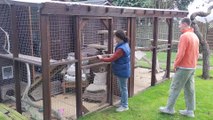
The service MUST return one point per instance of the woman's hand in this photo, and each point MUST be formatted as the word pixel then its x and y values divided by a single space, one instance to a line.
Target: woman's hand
pixel 99 56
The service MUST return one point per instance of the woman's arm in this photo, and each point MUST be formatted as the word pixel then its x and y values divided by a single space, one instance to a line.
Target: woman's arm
pixel 118 53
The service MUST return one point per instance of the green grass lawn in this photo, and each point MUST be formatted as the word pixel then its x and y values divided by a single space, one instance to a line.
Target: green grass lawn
pixel 144 106
pixel 162 57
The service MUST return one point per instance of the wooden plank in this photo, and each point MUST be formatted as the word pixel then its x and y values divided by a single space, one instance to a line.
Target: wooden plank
pixel 154 51
pixel 110 78
pixel 26 59
pixel 6 56
pixel 95 57
pixel 132 30
pixel 169 51
pixel 22 3
pixel 144 48
pixel 31 40
pixel 105 31
pixel 104 22
pixel 15 49
pixel 93 65
pixel 54 64
pixel 7 113
pixel 45 53
pixel 72 8
pixel 101 10
pixel 97 46
pixel 78 72
pixel 33 58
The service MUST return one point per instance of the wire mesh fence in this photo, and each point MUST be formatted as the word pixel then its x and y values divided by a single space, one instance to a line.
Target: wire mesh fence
pixel 94 40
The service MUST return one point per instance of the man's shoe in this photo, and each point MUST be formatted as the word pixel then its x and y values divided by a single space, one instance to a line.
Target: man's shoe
pixel 166 110
pixel 121 109
pixel 188 113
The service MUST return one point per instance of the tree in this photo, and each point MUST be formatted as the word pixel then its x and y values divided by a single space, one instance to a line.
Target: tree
pixel 130 3
pixel 162 4
pixel 182 4
pixel 203 42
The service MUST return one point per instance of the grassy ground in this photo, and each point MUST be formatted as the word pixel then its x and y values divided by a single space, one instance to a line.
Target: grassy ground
pixel 144 106
pixel 162 56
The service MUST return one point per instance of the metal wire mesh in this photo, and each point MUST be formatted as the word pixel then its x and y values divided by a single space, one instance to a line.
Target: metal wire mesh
pixel 62 47
pixel 29 45
pixel 93 41
pixel 119 24
pixel 144 36
pixel 6 74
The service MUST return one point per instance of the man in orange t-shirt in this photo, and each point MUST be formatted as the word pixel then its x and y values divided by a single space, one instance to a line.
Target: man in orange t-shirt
pixel 184 67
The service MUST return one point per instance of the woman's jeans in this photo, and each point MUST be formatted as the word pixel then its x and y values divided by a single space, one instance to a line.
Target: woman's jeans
pixel 122 82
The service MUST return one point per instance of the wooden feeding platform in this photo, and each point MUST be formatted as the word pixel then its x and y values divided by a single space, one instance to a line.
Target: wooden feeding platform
pixel 26 59
pixel 71 85
pixel 106 31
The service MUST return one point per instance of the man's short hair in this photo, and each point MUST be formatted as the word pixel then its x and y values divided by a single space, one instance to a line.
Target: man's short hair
pixel 186 20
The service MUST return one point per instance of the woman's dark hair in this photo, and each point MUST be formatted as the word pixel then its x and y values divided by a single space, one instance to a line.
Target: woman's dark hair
pixel 120 34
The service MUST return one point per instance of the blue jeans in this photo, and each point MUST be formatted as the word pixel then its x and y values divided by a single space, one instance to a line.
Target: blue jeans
pixel 122 82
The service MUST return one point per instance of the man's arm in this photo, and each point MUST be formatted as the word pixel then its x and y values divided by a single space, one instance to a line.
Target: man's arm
pixel 183 43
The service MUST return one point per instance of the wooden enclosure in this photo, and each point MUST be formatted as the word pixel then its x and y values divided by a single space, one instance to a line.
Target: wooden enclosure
pixel 43 34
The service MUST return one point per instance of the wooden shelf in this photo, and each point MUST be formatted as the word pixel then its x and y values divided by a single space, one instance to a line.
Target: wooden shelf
pixel 26 59
pixel 66 84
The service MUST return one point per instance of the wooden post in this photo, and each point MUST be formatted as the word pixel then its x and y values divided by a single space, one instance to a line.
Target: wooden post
pixel 132 36
pixel 45 56
pixel 168 61
pixel 31 41
pixel 110 79
pixel 15 49
pixel 78 79
pixel 154 51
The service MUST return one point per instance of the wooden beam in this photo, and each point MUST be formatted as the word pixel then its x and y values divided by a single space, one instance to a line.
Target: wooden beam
pixel 63 63
pixel 110 78
pixel 105 23
pixel 67 8
pixel 15 49
pixel 111 11
pixel 169 51
pixel 21 3
pixel 83 23
pixel 132 45
pixel 45 55
pixel 95 64
pixel 132 35
pixel 78 79
pixel 154 51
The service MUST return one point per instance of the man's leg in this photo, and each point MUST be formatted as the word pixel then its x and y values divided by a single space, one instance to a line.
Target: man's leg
pixel 189 93
pixel 177 84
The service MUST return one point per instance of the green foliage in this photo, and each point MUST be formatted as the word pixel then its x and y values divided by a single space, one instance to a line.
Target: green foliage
pixel 130 3
pixel 183 4
pixel 163 4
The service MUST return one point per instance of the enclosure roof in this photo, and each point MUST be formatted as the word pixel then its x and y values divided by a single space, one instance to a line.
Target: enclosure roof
pixel 75 8
pixel 97 2
pixel 23 2
pixel 72 8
